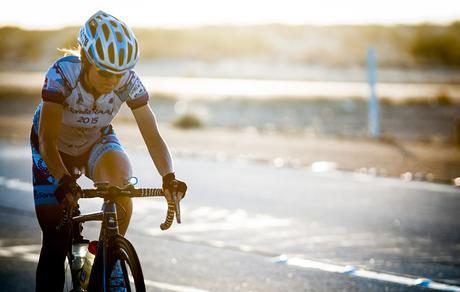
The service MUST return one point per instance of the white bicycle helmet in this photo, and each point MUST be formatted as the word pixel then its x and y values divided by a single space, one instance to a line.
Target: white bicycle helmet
pixel 108 43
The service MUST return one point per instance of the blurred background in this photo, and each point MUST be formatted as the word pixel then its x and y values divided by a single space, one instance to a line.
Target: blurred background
pixel 281 68
pixel 319 139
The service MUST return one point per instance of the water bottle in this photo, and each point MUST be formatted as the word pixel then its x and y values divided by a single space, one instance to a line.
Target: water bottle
pixel 79 251
pixel 88 264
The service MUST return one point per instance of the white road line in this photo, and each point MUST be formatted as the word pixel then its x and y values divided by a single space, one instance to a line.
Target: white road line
pixel 171 287
pixel 329 267
pixel 16 152
pixel 29 253
pixel 15 184
pixel 355 272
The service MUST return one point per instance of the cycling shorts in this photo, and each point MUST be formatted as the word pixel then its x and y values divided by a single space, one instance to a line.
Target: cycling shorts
pixel 44 184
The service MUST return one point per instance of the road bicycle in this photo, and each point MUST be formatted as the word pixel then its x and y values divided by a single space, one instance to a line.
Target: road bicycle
pixel 116 264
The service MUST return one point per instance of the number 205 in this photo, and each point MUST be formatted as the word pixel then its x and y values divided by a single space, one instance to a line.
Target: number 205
pixel 86 120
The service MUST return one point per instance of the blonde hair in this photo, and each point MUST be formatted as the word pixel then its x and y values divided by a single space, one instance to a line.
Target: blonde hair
pixel 73 51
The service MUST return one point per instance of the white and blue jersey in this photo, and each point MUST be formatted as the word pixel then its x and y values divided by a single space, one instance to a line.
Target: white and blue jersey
pixel 84 116
pixel 85 133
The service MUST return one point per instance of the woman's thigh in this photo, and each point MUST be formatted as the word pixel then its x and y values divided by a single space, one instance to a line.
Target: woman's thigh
pixel 108 162
pixel 113 167
pixel 47 208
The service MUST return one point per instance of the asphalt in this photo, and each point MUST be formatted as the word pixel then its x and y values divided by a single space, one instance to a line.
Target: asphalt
pixel 239 217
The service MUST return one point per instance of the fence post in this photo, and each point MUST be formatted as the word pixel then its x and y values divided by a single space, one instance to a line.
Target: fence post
pixel 373 105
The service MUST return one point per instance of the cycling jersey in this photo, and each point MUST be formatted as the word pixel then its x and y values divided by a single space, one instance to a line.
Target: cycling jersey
pixel 84 117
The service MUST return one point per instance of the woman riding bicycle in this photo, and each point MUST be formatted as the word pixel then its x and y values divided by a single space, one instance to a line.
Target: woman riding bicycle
pixel 71 130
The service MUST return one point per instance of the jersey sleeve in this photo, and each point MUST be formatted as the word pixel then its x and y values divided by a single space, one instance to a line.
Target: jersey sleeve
pixel 137 95
pixel 55 88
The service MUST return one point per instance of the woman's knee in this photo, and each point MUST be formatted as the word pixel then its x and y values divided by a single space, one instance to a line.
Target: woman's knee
pixel 113 167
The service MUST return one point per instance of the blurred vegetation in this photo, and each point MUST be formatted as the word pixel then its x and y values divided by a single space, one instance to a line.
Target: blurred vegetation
pixel 8 93
pixel 21 45
pixel 206 43
pixel 28 45
pixel 188 121
pixel 437 46
pixel 400 46
pixel 456 133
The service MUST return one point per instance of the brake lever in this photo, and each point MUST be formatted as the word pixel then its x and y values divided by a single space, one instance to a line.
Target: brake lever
pixel 173 209
pixel 68 211
pixel 169 216
pixel 176 207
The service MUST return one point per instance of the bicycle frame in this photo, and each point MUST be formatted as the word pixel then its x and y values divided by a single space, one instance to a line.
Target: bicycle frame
pixel 109 228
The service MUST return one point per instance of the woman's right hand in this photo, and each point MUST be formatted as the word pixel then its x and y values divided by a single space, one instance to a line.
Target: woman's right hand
pixel 68 191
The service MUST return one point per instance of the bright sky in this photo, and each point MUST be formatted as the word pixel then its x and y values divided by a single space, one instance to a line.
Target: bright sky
pixel 180 13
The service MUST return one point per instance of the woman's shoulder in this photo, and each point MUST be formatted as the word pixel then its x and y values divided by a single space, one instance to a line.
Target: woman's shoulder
pixel 127 81
pixel 68 62
pixel 132 83
pixel 132 90
pixel 67 69
pixel 69 58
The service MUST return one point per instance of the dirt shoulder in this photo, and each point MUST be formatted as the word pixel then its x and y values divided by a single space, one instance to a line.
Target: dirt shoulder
pixel 425 161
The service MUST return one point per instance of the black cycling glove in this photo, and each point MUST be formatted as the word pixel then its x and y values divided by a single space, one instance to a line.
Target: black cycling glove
pixel 67 184
pixel 174 185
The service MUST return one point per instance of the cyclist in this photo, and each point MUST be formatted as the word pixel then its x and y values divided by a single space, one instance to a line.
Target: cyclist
pixel 71 130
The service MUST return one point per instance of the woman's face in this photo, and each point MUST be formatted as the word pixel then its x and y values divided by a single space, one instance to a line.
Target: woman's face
pixel 102 81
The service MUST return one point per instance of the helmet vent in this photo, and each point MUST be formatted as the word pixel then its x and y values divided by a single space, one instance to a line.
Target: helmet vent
pixel 114 23
pixel 119 37
pixel 121 56
pixel 93 27
pixel 130 52
pixel 126 32
pixel 100 51
pixel 111 53
pixel 106 31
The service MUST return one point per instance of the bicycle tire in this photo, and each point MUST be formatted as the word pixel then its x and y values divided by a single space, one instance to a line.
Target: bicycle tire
pixel 122 250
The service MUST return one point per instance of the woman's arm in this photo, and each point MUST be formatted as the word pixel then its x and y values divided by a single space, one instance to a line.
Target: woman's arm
pixel 157 147
pixel 49 127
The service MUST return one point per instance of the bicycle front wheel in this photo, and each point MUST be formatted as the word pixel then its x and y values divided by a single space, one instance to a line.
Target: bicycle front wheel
pixel 124 266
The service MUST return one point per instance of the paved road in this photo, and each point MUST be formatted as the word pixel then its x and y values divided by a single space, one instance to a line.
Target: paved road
pixel 250 227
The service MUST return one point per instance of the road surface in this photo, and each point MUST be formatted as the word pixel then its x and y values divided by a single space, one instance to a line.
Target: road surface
pixel 254 227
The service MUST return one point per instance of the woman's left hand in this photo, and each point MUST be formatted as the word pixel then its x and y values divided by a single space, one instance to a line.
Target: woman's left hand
pixel 173 186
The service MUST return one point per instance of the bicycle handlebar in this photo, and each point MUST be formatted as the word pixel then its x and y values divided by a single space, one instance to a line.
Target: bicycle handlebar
pixel 111 192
